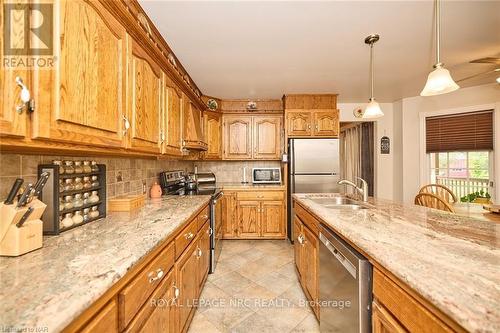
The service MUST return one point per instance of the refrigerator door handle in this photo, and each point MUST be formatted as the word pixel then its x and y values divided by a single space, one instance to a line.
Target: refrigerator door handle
pixel 292 157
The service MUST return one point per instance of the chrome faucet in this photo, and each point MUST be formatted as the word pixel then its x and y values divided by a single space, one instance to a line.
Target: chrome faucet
pixel 361 190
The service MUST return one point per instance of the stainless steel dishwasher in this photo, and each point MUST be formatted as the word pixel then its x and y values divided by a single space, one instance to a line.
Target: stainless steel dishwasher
pixel 345 286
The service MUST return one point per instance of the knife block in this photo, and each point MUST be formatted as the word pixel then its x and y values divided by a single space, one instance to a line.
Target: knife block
pixel 16 241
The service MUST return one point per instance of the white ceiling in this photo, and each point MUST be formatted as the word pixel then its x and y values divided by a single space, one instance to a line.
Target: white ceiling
pixel 262 49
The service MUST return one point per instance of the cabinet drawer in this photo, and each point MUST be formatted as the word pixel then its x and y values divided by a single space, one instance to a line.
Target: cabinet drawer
pixel 267 195
pixel 105 321
pixel 160 301
pixel 186 236
pixel 308 220
pixel 203 217
pixel 133 296
pixel 406 309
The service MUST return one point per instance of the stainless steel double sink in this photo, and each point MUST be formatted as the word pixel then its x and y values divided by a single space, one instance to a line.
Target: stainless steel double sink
pixel 338 202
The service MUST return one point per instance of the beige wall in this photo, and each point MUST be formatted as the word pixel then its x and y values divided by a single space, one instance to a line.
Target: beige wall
pixel 472 99
pixel 232 171
pixel 384 164
pixel 133 172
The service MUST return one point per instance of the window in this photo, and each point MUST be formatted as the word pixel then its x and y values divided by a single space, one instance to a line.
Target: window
pixel 464 173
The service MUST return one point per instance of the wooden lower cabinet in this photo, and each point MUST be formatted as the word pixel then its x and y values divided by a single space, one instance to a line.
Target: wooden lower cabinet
pixel 161 294
pixel 272 217
pixel 229 215
pixel 306 249
pixel 105 321
pixel 187 277
pixel 383 321
pixel 248 219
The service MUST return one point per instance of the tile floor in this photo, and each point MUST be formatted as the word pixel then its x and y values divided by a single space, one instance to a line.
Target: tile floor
pixel 254 289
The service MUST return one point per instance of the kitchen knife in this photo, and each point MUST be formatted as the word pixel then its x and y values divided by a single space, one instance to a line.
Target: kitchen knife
pixel 24 197
pixel 41 183
pixel 25 217
pixel 13 191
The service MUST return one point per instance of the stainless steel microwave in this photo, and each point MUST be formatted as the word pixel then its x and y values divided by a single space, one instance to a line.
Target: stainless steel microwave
pixel 266 175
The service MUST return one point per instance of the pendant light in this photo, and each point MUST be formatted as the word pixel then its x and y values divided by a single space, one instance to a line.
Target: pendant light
pixel 372 110
pixel 439 80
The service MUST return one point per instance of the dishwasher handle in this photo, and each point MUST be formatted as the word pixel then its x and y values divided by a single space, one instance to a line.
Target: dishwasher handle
pixel 339 256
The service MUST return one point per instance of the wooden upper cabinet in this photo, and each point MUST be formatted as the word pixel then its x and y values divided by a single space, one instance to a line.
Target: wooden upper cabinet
pixel 326 123
pixel 273 219
pixel 237 137
pixel 82 99
pixel 212 125
pixel 267 137
pixel 145 100
pixel 172 125
pixel 298 123
pixel 193 132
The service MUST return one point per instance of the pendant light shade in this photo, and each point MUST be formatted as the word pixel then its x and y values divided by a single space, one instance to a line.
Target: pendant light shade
pixel 373 109
pixel 439 80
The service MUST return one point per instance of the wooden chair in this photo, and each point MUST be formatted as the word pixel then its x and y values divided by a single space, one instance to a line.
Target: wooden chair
pixel 430 200
pixel 441 191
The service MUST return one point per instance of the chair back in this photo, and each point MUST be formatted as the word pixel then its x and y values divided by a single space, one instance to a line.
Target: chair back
pixel 430 200
pixel 441 191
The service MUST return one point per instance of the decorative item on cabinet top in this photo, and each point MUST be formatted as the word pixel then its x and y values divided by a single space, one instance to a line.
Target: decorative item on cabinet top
pixel 212 104
pixel 75 194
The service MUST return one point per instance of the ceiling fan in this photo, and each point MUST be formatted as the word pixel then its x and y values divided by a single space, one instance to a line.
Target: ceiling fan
pixel 486 60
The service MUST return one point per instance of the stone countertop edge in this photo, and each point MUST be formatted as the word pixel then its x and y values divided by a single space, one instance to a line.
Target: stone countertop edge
pixel 451 261
pixel 48 288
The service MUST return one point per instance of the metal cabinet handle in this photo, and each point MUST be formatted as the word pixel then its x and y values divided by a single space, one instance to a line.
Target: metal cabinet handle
pixel 308 126
pixel 198 253
pixel 126 124
pixel 300 239
pixel 25 95
pixel 176 293
pixel 316 127
pixel 154 277
pixel 210 231
pixel 205 216
pixel 189 235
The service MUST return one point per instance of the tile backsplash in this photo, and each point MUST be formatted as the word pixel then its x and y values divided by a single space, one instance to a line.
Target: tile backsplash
pixel 232 171
pixel 124 175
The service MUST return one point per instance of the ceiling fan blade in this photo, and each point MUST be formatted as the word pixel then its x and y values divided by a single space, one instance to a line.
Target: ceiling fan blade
pixel 478 74
pixel 487 60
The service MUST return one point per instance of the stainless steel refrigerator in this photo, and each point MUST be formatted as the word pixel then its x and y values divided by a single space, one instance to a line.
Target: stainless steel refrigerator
pixel 314 168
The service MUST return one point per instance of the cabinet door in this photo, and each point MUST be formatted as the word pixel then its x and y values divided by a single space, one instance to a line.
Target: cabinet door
pixel 82 99
pixel 237 137
pixel 383 321
pixel 145 101
pixel 162 318
pixel 213 135
pixel 311 248
pixel 229 215
pixel 267 137
pixel 273 219
pixel 187 279
pixel 193 135
pixel 298 123
pixel 249 219
pixel 203 254
pixel 12 123
pixel 172 119
pixel 297 246
pixel 326 123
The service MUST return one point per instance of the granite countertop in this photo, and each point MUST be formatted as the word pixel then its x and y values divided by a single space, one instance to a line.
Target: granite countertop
pixel 452 261
pixel 250 185
pixel 48 288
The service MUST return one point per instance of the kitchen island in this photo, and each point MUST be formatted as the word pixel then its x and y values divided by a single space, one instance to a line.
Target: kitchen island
pixel 448 262
pixel 49 288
